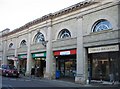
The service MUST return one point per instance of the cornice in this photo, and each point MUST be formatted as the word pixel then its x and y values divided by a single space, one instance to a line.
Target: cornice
pixel 53 15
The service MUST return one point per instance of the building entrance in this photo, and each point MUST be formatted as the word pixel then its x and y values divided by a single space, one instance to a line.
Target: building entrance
pixel 40 65
pixel 22 65
pixel 66 65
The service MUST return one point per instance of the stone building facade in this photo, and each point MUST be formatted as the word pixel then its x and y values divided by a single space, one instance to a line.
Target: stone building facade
pixel 81 42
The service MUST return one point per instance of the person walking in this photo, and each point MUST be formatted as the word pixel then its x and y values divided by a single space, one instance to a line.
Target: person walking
pixel 32 72
pixel 23 71
pixel 111 75
pixel 38 71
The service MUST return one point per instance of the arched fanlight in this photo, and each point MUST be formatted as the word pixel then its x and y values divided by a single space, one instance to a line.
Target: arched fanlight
pixel 64 34
pixel 23 43
pixel 39 38
pixel 101 25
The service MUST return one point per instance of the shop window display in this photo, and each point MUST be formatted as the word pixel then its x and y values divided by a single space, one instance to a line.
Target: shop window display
pixel 104 66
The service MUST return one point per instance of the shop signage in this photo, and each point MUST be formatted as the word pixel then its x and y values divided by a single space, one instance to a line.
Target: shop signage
pixel 103 49
pixel 36 55
pixel 22 56
pixel 65 52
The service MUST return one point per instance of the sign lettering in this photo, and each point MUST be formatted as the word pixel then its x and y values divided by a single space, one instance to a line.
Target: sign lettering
pixel 103 49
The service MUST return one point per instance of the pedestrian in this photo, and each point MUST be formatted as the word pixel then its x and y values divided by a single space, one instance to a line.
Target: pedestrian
pixel 23 71
pixel 32 72
pixel 111 78
pixel 38 71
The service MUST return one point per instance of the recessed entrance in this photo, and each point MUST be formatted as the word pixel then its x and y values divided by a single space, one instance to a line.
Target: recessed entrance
pixel 22 64
pixel 66 65
pixel 40 65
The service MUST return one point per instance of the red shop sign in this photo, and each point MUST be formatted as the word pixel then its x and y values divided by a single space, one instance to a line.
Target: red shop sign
pixel 65 52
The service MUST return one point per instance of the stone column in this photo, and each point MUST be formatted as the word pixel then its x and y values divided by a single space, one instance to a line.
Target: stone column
pixel 16 56
pixel 29 57
pixel 80 76
pixel 4 60
pixel 49 55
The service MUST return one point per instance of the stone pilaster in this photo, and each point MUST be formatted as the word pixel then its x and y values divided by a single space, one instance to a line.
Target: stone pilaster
pixel 16 56
pixel 29 57
pixel 80 76
pixel 4 60
pixel 49 74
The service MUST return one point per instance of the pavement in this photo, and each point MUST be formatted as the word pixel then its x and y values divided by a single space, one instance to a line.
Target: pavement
pixel 70 83
pixel 58 84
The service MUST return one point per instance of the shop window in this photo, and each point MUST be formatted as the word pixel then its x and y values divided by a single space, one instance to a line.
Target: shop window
pixel 11 46
pixel 64 34
pixel 23 43
pixel 104 65
pixel 101 25
pixel 39 38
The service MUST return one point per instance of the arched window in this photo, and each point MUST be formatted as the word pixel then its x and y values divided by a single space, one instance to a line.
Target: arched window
pixel 64 34
pixel 101 25
pixel 23 43
pixel 39 38
pixel 11 45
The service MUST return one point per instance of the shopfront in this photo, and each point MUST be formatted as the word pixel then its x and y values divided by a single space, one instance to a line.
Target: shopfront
pixel 40 63
pixel 104 62
pixel 22 62
pixel 66 63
